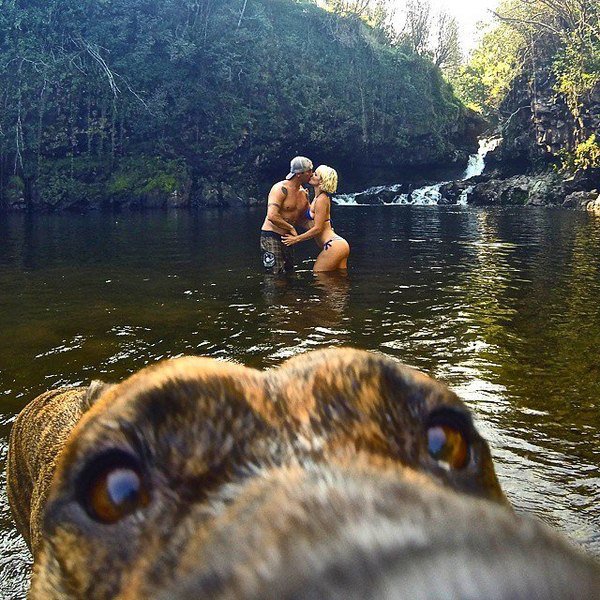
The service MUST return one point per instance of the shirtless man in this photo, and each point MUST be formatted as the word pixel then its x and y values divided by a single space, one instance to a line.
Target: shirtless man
pixel 286 208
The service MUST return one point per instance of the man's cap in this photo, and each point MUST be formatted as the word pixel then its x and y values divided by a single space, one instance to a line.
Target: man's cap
pixel 299 164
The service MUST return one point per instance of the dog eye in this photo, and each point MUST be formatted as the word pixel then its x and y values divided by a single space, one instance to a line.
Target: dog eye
pixel 115 492
pixel 447 444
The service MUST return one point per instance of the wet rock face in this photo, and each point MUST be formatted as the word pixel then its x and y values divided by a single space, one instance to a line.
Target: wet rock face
pixel 583 201
pixel 377 196
pixel 520 190
pixel 511 191
pixel 538 122
pixel 538 125
pixel 554 127
pixel 452 191
pixel 544 189
pixel 218 195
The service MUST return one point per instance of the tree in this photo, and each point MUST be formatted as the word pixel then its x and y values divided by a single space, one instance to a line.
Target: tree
pixel 446 48
pixel 127 96
pixel 485 80
pixel 416 31
pixel 537 47
pixel 430 34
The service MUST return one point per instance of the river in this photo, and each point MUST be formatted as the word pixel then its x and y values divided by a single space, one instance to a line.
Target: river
pixel 501 304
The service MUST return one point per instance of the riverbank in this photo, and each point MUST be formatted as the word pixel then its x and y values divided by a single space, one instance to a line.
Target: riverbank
pixel 579 192
pixel 495 185
pixel 484 182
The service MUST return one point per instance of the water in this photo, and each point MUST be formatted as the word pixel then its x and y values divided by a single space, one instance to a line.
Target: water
pixel 503 305
pixel 428 194
pixel 476 163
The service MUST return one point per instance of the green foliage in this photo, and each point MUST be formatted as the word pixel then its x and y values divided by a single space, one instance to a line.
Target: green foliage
pixel 16 183
pixel 223 89
pixel 70 183
pixel 485 80
pixel 539 41
pixel 577 68
pixel 585 156
pixel 14 191
pixel 140 176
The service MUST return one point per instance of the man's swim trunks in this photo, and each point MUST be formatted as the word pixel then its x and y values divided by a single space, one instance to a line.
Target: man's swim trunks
pixel 277 258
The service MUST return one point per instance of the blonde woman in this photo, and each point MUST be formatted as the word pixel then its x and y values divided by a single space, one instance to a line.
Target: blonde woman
pixel 334 248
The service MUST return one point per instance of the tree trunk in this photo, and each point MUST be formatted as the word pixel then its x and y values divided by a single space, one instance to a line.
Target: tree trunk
pixel 89 124
pixel 113 132
pixel 242 14
pixel 42 110
pixel 101 130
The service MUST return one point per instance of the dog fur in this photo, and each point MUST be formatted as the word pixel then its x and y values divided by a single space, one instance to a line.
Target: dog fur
pixel 312 480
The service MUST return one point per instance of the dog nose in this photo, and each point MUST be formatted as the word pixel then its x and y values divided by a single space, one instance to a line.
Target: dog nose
pixel 349 536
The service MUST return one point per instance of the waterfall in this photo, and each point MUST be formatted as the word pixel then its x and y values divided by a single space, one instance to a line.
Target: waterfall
pixel 428 194
pixel 462 199
pixel 345 199
pixel 355 199
pixel 476 162
pixel 425 195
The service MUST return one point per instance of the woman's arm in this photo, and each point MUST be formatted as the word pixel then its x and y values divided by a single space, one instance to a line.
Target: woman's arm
pixel 320 212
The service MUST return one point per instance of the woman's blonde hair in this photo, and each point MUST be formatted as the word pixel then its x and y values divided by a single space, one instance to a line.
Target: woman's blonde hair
pixel 328 177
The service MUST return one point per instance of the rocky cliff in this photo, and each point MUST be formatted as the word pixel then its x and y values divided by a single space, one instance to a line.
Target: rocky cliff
pixel 538 125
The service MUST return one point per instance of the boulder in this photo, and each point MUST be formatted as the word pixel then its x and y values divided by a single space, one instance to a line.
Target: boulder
pixel 452 191
pixel 582 200
pixel 383 194
pixel 537 190
pixel 583 180
pixel 545 189
pixel 367 198
pixel 594 205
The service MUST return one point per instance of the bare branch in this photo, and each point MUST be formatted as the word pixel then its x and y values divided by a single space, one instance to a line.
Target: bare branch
pixel 510 117
pixel 111 75
pixel 242 14
pixel 95 54
pixel 135 94
pixel 517 20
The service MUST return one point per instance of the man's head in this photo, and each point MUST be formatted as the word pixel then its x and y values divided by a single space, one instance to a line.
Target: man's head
pixel 300 168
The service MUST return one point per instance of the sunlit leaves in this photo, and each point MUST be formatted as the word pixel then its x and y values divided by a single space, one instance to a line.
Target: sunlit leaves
pixel 569 33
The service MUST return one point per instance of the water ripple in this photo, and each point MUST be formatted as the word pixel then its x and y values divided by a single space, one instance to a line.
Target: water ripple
pixel 501 304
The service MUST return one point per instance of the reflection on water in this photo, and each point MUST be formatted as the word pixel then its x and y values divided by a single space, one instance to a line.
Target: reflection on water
pixel 334 288
pixel 503 305
pixel 304 311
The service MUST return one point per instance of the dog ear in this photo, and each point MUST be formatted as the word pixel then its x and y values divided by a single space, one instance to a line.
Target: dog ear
pixel 94 391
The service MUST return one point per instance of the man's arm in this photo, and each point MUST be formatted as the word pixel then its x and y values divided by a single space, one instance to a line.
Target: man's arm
pixel 277 195
pixel 320 208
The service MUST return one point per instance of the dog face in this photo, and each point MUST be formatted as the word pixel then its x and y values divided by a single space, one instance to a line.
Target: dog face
pixel 339 474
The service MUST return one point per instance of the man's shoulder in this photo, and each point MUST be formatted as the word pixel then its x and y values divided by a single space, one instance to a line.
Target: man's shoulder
pixel 280 187
pixel 280 184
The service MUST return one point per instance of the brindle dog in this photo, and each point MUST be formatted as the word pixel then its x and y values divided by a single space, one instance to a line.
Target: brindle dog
pixel 340 474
